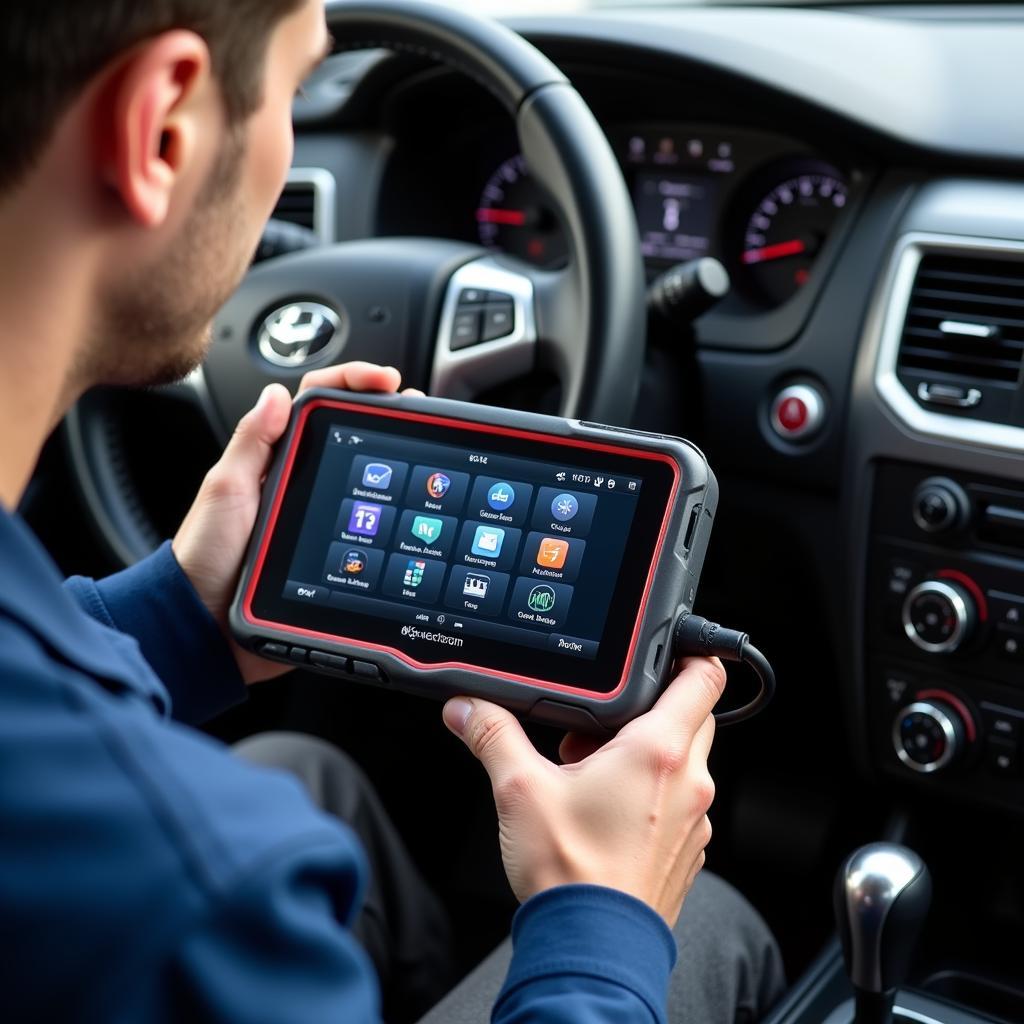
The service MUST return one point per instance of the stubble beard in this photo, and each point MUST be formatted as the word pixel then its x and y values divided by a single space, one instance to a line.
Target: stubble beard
pixel 156 327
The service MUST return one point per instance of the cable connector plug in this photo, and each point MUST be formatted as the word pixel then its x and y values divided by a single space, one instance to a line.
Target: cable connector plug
pixel 695 635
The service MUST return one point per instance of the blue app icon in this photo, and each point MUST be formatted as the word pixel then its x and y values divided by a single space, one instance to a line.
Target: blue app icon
pixel 487 542
pixel 565 507
pixel 378 476
pixel 501 496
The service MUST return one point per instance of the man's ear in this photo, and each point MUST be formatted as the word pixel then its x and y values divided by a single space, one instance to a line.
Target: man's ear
pixel 151 122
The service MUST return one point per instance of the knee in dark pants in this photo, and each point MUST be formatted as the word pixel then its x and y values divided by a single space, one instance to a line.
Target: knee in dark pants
pixel 729 969
pixel 402 925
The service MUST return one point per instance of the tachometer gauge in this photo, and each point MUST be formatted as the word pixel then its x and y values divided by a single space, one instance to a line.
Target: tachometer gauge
pixel 788 229
pixel 513 216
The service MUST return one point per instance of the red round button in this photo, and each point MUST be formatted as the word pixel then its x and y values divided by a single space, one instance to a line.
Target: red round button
pixel 793 414
pixel 797 412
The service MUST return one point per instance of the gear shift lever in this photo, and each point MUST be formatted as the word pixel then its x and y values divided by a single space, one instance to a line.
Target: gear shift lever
pixel 882 896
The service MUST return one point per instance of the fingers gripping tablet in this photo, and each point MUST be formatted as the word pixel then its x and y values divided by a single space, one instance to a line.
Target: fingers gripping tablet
pixel 447 548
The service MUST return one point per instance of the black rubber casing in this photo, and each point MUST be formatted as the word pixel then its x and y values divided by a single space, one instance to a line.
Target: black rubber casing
pixel 671 591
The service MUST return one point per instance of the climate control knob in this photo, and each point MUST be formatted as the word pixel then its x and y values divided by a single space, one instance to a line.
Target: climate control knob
pixel 928 735
pixel 939 616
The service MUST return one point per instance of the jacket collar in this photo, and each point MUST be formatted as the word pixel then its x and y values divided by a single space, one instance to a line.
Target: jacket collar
pixel 32 594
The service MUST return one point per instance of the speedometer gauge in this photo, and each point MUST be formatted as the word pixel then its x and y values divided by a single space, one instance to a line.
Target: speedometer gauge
pixel 513 216
pixel 787 230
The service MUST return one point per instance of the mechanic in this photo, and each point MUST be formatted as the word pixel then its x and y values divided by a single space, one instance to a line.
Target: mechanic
pixel 148 873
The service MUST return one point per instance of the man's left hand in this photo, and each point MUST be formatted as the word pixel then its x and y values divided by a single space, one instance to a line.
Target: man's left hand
pixel 212 540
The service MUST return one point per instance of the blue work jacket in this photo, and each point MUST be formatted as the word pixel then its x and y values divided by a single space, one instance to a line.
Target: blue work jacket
pixel 148 875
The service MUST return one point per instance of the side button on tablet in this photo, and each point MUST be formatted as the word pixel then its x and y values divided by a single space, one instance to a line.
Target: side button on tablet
pixel 366 670
pixel 565 716
pixel 274 651
pixel 330 662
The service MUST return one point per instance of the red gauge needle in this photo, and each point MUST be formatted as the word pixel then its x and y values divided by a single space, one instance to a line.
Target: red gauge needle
pixel 492 215
pixel 775 252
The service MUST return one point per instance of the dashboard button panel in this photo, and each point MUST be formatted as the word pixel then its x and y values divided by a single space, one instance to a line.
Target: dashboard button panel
pixel 929 583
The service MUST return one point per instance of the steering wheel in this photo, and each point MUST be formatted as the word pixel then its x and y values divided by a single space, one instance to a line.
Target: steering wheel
pixel 452 317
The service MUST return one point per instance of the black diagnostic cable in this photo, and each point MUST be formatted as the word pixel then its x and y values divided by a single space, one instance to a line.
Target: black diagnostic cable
pixel 694 635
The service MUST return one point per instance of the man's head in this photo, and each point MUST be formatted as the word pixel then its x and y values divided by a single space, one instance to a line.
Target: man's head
pixel 162 130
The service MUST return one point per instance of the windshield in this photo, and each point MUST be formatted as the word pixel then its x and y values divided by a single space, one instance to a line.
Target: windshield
pixel 510 8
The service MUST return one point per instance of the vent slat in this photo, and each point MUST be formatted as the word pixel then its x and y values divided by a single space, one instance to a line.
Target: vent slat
pixel 915 352
pixel 1009 346
pixel 981 282
pixel 972 290
pixel 297 205
pixel 944 295
pixel 1008 325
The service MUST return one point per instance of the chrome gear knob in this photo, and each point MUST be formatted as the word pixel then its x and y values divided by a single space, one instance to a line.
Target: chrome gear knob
pixel 882 895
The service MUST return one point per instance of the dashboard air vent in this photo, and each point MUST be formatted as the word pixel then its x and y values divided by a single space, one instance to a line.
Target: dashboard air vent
pixel 964 326
pixel 297 205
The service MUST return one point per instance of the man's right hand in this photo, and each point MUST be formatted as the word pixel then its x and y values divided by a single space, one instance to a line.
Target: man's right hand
pixel 630 815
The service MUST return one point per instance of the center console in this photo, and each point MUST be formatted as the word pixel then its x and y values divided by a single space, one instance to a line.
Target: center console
pixel 944 630
pixel 935 498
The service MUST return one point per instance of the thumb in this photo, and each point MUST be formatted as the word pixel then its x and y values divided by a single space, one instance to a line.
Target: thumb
pixel 493 735
pixel 247 455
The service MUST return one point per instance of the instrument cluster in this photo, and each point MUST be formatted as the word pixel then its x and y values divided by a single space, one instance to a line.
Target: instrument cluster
pixel 759 203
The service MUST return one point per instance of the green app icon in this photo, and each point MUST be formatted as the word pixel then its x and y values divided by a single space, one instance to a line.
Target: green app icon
pixel 541 599
pixel 425 529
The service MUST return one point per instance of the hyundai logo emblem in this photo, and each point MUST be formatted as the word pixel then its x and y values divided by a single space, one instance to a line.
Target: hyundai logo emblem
pixel 304 332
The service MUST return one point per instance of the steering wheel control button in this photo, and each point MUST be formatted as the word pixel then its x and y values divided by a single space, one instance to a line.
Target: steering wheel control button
pixel 331 662
pixel 798 412
pixel 465 330
pixel 938 616
pixel 499 321
pixel 940 506
pixel 927 736
pixel 299 655
pixel 472 297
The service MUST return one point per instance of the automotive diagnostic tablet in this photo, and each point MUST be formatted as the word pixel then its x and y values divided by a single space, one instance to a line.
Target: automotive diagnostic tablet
pixel 447 548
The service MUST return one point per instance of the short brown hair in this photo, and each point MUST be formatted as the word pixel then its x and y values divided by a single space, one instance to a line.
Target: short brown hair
pixel 50 49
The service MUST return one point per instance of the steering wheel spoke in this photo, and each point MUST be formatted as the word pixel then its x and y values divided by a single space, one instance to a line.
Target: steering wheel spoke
pixel 488 330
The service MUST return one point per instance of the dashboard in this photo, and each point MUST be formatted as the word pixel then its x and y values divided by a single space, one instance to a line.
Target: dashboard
pixel 801 148
pixel 763 204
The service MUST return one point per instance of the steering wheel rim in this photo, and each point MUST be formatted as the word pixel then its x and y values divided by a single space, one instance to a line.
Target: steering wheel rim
pixel 586 323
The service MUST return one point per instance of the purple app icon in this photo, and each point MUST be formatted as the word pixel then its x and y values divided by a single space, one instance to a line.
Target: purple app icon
pixel 365 519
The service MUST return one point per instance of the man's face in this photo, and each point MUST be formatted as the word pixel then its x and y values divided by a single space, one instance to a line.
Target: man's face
pixel 154 328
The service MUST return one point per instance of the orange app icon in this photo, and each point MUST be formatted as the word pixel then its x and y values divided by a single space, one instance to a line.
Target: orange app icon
pixel 553 553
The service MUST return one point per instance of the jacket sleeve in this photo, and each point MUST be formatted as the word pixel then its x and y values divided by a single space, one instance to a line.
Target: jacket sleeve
pixel 154 602
pixel 584 954
pixel 277 948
